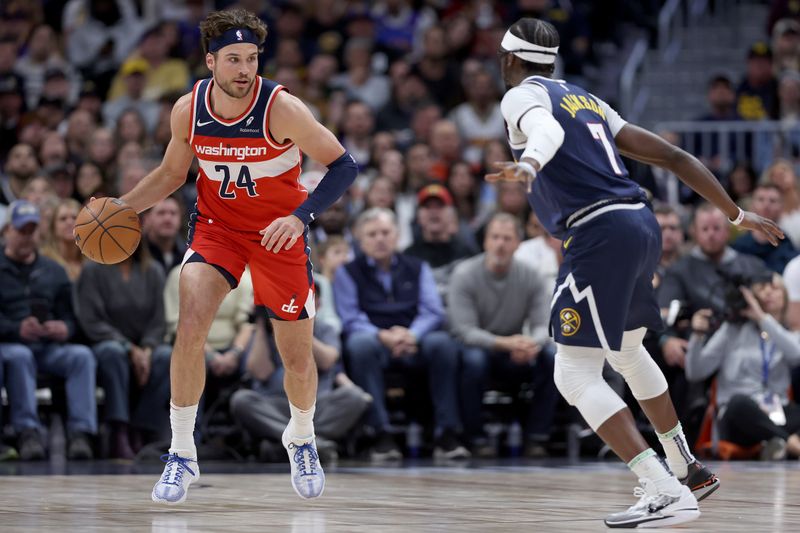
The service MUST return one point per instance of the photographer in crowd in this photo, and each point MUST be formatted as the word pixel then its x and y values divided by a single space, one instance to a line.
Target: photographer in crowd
pixel 696 279
pixel 693 282
pixel 752 354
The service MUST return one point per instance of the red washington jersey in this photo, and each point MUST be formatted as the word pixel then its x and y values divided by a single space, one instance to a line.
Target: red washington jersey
pixel 247 179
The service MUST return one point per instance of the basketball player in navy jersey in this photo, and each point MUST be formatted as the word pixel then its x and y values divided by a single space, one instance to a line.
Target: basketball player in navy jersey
pixel 248 135
pixel 566 143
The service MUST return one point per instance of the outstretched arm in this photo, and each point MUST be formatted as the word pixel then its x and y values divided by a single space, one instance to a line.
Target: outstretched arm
pixel 171 173
pixel 642 145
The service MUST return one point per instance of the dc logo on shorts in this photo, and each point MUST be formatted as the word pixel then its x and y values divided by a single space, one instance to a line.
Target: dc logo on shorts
pixel 290 307
pixel 570 321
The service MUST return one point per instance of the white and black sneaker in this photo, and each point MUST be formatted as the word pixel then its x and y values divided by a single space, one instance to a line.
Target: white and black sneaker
pixel 656 509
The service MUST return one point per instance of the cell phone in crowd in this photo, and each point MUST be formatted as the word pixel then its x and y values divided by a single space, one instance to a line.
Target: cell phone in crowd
pixel 40 310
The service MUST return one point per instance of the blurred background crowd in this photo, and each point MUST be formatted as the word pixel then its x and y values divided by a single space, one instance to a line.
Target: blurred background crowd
pixel 433 286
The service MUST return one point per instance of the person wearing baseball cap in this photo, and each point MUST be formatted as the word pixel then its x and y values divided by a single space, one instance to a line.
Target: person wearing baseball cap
pixel 21 213
pixel 38 324
pixel 757 96
pixel 133 75
pixel 434 191
pixel 436 240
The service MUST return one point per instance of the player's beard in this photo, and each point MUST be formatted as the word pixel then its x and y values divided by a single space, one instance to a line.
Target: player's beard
pixel 234 91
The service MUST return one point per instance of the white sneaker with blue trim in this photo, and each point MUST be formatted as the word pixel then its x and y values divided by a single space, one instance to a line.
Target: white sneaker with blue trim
pixel 308 478
pixel 179 473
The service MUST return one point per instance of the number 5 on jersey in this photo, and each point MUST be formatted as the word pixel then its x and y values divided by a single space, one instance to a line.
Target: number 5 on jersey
pixel 243 181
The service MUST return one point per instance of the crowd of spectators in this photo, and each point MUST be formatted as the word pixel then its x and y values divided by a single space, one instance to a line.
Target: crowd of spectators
pixel 767 90
pixel 430 281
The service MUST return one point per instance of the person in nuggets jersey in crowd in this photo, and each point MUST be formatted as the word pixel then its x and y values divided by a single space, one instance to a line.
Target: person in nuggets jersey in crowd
pixel 566 143
pixel 248 135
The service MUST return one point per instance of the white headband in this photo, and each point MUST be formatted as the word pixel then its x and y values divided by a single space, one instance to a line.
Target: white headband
pixel 528 51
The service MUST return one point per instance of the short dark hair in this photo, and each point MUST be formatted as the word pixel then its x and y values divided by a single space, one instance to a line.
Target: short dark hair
pixel 218 22
pixel 538 32
pixel 720 79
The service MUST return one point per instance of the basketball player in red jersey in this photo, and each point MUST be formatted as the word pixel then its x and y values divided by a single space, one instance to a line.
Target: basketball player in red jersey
pixel 248 135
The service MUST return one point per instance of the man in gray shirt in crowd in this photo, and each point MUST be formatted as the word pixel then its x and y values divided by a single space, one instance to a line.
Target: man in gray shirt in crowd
pixel 492 297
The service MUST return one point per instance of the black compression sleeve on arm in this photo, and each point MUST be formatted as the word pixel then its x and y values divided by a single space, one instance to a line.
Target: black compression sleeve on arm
pixel 334 183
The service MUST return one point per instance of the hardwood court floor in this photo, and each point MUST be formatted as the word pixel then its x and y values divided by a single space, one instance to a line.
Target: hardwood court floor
pixel 753 498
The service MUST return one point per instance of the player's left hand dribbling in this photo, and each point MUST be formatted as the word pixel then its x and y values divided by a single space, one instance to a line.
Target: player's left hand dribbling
pixel 282 233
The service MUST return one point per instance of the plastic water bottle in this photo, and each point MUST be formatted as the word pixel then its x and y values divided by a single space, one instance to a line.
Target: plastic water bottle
pixel 514 439
pixel 413 439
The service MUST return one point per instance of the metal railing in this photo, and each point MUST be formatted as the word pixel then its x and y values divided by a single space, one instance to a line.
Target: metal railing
pixel 726 143
pixel 675 16
pixel 670 25
pixel 629 99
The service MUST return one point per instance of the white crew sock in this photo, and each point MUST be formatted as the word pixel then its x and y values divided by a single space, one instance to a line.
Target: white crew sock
pixel 302 422
pixel 648 465
pixel 181 419
pixel 677 450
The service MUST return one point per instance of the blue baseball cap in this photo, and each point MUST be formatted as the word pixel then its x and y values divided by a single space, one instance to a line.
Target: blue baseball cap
pixel 21 213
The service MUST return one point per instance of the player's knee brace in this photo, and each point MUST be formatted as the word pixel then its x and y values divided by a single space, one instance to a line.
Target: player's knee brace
pixel 578 376
pixel 637 367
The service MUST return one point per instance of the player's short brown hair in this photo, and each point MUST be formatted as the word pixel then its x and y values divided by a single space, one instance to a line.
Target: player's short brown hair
pixel 218 22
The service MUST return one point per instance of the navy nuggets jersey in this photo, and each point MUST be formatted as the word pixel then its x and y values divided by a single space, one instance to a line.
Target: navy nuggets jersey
pixel 586 168
pixel 247 179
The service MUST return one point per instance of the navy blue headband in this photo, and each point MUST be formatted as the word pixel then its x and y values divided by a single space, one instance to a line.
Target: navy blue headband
pixel 233 36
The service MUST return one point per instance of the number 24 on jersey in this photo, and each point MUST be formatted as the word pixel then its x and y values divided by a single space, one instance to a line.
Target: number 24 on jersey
pixel 243 181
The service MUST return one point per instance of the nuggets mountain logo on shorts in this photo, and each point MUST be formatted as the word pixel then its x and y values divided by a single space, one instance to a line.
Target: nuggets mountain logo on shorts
pixel 570 321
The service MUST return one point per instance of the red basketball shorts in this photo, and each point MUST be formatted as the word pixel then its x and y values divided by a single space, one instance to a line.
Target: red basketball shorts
pixel 282 282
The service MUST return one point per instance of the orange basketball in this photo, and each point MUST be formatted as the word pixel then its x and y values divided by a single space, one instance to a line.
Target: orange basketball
pixel 107 230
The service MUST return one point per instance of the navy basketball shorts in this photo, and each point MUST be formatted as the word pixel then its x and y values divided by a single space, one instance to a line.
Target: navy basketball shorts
pixel 605 284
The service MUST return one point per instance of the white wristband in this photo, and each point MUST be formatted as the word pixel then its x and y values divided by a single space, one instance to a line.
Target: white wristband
pixel 527 167
pixel 738 220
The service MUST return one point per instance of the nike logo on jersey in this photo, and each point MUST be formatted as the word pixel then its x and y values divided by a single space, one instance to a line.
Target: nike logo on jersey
pixel 200 124
pixel 312 217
